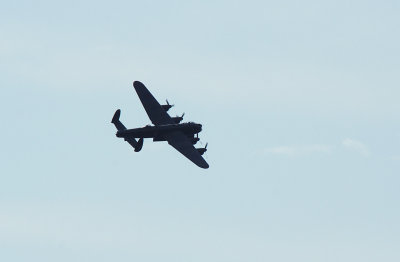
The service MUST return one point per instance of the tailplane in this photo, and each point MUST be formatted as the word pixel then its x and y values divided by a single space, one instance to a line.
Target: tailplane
pixel 137 145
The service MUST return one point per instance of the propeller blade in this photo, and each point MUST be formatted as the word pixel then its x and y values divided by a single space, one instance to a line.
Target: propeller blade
pixel 166 100
pixel 206 145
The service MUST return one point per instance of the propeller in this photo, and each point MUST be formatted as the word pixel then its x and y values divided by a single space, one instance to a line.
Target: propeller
pixel 167 106
pixel 205 147
pixel 181 115
pixel 205 150
pixel 166 100
pixel 178 119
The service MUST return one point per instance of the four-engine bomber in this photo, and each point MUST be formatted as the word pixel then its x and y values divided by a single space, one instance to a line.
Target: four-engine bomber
pixel 182 136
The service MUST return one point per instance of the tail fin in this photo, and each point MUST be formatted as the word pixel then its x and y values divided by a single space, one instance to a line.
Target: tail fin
pixel 133 143
pixel 139 145
pixel 116 122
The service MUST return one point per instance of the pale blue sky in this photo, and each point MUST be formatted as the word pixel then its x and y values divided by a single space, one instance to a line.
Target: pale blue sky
pixel 300 105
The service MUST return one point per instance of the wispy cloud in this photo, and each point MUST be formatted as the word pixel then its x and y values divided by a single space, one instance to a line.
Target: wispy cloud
pixel 356 146
pixel 299 150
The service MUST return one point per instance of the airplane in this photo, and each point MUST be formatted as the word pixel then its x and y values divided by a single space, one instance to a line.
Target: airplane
pixel 181 136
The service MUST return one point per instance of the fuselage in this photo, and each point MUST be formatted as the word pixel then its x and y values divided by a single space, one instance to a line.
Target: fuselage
pixel 158 132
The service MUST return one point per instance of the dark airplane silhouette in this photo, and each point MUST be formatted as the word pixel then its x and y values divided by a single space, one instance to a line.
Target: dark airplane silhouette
pixel 181 136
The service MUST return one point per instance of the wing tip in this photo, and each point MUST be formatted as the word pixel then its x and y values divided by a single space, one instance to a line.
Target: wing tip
pixel 116 116
pixel 204 165
pixel 137 84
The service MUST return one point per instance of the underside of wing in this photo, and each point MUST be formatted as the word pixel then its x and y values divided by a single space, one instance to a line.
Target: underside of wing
pixel 181 142
pixel 156 113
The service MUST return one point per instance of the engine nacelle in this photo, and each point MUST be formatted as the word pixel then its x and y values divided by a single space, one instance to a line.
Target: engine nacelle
pixel 167 106
pixel 177 119
pixel 201 150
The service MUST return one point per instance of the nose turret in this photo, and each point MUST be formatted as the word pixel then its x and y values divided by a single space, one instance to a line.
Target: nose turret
pixel 199 127
pixel 193 128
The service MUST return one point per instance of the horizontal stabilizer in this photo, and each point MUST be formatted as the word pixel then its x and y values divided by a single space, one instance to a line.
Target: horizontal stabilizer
pixel 137 145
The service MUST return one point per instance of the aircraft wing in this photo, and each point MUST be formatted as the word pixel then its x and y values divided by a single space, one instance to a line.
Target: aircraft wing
pixel 182 143
pixel 156 113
